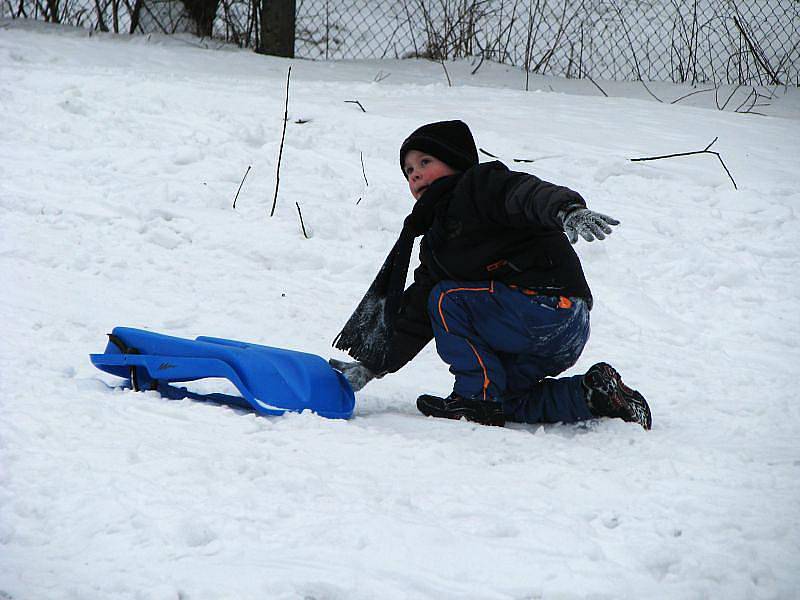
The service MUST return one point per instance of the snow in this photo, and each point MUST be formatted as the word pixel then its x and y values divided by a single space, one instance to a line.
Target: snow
pixel 119 161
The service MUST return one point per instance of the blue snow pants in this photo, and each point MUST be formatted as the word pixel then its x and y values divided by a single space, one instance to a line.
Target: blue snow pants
pixel 505 344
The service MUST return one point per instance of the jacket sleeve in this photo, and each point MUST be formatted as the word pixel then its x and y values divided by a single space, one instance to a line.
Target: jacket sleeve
pixel 412 330
pixel 515 199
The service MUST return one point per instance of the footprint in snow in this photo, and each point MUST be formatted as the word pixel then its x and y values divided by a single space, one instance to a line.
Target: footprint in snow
pixel 186 156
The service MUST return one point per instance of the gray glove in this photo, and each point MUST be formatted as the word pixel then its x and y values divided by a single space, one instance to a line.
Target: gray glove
pixel 588 224
pixel 357 375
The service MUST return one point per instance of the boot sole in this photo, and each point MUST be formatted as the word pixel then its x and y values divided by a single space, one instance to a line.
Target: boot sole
pixel 432 406
pixel 628 403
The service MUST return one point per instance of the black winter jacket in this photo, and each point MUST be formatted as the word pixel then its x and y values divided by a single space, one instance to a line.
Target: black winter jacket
pixel 495 225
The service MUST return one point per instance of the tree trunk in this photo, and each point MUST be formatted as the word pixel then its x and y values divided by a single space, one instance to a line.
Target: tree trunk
pixel 135 13
pixel 277 28
pixel 202 13
pixel 101 19
pixel 52 11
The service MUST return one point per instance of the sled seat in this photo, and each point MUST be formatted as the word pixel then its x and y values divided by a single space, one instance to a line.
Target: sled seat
pixel 271 380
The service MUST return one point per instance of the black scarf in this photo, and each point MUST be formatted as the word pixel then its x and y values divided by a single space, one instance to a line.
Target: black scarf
pixel 367 335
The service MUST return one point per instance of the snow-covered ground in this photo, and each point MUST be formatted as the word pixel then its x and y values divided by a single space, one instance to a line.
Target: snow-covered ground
pixel 119 162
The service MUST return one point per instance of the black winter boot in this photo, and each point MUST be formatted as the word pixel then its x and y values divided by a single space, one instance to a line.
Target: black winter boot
pixel 608 396
pixel 454 406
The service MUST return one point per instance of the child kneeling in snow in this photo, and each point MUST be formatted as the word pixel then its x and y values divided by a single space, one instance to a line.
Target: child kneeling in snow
pixel 499 287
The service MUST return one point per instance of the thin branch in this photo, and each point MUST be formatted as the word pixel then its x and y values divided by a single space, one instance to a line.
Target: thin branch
pixel 746 100
pixel 449 83
pixel 736 89
pixel 563 22
pixel 602 91
pixel 475 70
pixel 283 137
pixel 703 151
pixel 363 170
pixel 240 186
pixel 302 225
pixel 755 52
pixel 649 91
pixel 356 102
pixel 516 160
pixel 691 94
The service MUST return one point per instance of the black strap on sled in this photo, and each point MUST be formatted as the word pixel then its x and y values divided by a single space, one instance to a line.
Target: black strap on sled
pixel 125 349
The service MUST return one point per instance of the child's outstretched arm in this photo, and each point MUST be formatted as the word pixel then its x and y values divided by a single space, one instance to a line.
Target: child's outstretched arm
pixel 526 200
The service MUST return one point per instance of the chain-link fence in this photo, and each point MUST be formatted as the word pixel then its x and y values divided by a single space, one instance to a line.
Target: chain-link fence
pixel 117 16
pixel 749 42
pixel 720 41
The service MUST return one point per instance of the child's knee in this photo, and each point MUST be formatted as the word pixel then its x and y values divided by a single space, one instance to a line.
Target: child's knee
pixel 437 296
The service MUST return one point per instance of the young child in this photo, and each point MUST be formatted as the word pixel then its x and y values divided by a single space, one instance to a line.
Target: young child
pixel 499 287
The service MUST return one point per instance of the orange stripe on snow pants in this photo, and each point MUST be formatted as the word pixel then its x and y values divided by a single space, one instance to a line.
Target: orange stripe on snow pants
pixel 489 289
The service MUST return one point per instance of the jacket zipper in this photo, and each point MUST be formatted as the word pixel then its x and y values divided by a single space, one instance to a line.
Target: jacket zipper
pixel 440 265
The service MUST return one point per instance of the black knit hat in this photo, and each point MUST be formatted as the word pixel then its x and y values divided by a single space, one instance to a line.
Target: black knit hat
pixel 449 141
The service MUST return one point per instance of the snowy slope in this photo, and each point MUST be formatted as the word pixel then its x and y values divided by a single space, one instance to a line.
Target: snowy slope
pixel 119 161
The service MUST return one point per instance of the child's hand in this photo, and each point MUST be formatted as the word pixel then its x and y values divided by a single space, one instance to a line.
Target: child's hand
pixel 357 375
pixel 588 224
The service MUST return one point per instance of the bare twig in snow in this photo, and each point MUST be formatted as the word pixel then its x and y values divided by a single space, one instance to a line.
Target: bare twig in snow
pixel 449 83
pixel 516 160
pixel 240 186
pixel 475 70
pixel 746 100
pixel 703 151
pixel 602 91
pixel 736 89
pixel 691 94
pixel 283 137
pixel 356 102
pixel 757 53
pixel 649 91
pixel 363 170
pixel 302 225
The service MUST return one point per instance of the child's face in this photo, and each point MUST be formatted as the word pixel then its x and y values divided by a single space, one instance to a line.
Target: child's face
pixel 422 170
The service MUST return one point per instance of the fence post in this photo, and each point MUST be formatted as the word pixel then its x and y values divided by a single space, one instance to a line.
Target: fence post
pixel 277 27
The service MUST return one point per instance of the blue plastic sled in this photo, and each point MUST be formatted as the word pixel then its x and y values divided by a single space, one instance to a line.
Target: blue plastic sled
pixel 271 380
